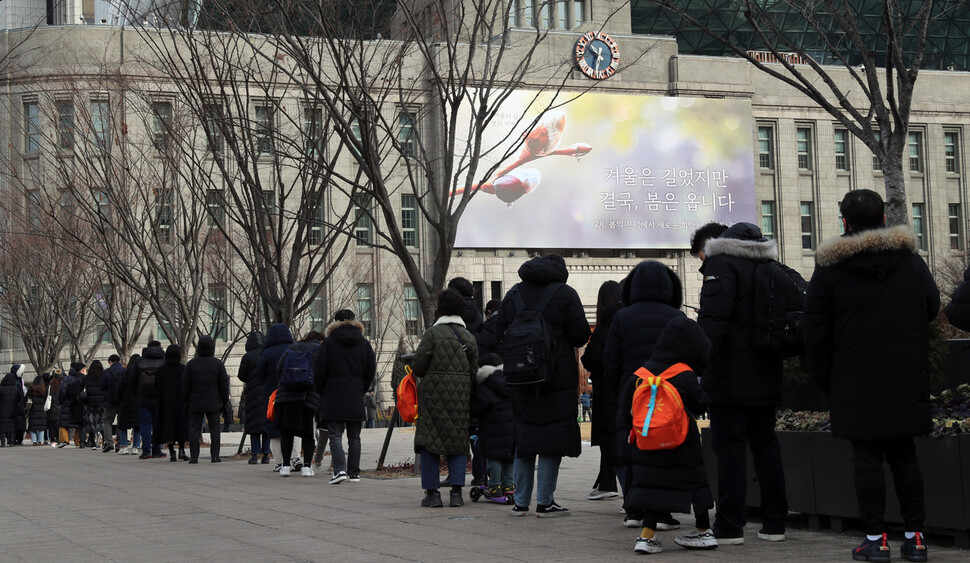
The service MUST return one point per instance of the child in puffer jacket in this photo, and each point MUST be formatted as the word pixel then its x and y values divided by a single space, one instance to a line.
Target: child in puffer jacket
pixel 492 406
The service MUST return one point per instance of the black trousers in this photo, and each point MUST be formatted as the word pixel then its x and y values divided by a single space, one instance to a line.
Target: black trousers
pixel 606 479
pixel 195 433
pixel 870 482
pixel 734 429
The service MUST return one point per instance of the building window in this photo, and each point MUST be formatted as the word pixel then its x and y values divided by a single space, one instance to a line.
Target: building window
pixel 317 221
pixel 876 165
pixel 31 127
pixel 211 119
pixel 362 219
pixel 165 216
pixel 956 226
pixel 409 220
pixel 406 135
pixel 950 146
pixel 412 311
pixel 841 150
pixel 33 207
pixel 768 219
pixel 318 308
pixel 215 204
pixel 808 225
pixel 314 132
pixel 545 16
pixel 562 14
pixel 218 312
pixel 365 302
pixel 161 124
pixel 264 129
pixel 101 124
pixel 919 226
pixel 102 205
pixel 355 131
pixel 915 152
pixel 579 12
pixel 804 147
pixel 766 149
pixel 65 125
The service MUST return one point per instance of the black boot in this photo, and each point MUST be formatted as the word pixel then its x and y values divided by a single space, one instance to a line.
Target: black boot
pixel 432 499
pixel 253 460
pixel 456 499
pixel 171 452
pixel 182 455
pixel 265 458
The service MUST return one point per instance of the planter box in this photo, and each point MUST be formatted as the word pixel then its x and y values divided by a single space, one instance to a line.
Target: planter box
pixel 819 479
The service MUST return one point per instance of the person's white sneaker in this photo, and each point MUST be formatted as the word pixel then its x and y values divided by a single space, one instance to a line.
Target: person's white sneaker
pixel 296 464
pixel 306 472
pixel 771 537
pixel 648 545
pixel 697 540
pixel 597 494
pixel 285 471
pixel 339 478
pixel 632 523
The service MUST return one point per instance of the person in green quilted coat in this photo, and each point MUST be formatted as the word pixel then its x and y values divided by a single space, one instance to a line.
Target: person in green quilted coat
pixel 445 364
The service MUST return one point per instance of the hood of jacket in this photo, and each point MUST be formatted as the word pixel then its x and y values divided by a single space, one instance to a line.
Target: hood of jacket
pixel 173 354
pixel 254 341
pixel 206 347
pixel 652 281
pixel 9 379
pixel 873 252
pixel 278 334
pixel 485 372
pixel 153 353
pixel 743 240
pixel 346 333
pixel 682 340
pixel 543 271
pixel 17 370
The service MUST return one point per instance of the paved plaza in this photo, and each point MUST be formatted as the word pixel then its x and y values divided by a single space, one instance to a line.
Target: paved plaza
pixel 79 505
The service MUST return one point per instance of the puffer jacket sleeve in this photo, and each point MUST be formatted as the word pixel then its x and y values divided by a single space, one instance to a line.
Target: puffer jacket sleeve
pixel 718 296
pixel 577 327
pixel 422 356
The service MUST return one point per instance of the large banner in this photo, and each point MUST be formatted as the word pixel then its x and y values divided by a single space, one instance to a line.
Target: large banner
pixel 614 171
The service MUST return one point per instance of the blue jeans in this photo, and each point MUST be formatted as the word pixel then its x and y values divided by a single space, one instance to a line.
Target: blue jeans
pixel 37 436
pixel 335 432
pixel 430 476
pixel 259 444
pixel 146 420
pixel 500 473
pixel 548 474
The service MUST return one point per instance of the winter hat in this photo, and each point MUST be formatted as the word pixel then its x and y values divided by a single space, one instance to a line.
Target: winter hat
pixel 344 315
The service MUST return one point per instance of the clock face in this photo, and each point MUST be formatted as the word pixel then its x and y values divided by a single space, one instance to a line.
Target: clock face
pixel 597 55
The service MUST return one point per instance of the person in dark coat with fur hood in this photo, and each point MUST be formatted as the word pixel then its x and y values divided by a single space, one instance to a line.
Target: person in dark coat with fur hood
pixel 743 384
pixel 545 417
pixel 652 295
pixel 345 370
pixel 492 406
pixel 866 322
pixel 278 340
pixel 21 420
pixel 205 391
pixel 11 406
pixel 171 424
pixel 673 480
pixel 254 399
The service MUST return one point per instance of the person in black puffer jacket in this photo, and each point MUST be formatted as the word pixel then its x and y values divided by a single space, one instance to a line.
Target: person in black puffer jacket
pixel 345 369
pixel 744 385
pixel 652 295
pixel 36 417
pixel 296 407
pixel 957 311
pixel 278 340
pixel 492 406
pixel 602 403
pixel 171 422
pixel 54 414
pixel 114 372
pixel 205 391
pixel 545 417
pixel 92 388
pixel 72 413
pixel 254 399
pixel 11 406
pixel 125 395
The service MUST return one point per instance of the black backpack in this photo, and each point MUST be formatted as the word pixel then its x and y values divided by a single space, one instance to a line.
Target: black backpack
pixel 147 367
pixel 779 300
pixel 528 349
pixel 297 372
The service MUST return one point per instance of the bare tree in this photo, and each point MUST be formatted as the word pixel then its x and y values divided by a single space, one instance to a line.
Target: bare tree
pixel 869 91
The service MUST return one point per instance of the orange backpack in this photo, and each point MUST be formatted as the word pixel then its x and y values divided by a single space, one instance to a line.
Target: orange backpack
pixel 659 418
pixel 407 397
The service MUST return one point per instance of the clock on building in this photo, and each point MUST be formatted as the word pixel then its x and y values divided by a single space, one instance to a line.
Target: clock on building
pixel 597 55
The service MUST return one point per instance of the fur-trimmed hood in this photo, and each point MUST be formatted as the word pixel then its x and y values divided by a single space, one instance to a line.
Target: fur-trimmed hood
pixel 449 319
pixel 346 333
pixel 743 240
pixel 869 243
pixel 485 372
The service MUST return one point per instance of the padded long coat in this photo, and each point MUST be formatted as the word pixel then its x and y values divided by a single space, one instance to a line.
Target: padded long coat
pixel 278 340
pixel 867 314
pixel 445 375
pixel 545 417
pixel 205 383
pixel 171 422
pixel 492 406
pixel 254 398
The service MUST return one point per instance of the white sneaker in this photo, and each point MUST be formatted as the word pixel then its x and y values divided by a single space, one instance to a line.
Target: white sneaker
pixel 277 467
pixel 306 472
pixel 632 523
pixel 597 494
pixel 648 545
pixel 771 537
pixel 697 540
pixel 339 478
pixel 296 464
pixel 285 471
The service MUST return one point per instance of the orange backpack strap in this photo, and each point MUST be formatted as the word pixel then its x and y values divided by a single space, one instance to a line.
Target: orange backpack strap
pixel 674 370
